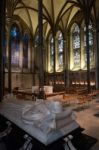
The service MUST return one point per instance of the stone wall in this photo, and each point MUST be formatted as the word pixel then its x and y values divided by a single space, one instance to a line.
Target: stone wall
pixel 21 80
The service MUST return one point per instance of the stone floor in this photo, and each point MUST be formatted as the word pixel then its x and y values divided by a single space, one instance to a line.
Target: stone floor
pixel 86 116
pixel 89 121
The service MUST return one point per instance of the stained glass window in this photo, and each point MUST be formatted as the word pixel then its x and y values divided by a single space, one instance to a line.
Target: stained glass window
pixel 15 45
pixel 36 40
pixel 76 45
pixel 60 49
pixel 25 50
pixel 91 53
pixel 90 35
pixel 51 52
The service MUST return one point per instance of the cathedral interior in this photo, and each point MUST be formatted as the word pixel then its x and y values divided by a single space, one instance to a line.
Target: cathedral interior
pixel 69 44
pixel 49 49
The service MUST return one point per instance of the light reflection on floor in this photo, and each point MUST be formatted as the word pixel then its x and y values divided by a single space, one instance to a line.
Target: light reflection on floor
pixel 90 122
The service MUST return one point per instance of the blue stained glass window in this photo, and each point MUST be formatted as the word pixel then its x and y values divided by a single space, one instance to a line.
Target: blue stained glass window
pixel 25 50
pixel 15 33
pixel 60 49
pixel 15 45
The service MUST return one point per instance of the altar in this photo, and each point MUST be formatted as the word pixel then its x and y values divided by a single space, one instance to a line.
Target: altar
pixel 19 133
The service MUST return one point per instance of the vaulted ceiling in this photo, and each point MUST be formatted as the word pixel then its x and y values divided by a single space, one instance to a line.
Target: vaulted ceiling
pixel 56 13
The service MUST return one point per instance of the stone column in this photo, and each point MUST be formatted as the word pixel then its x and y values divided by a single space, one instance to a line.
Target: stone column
pixel 2 31
pixel 56 55
pixel 29 55
pixel 68 54
pixel 54 59
pixel 97 57
pixel 21 55
pixel 82 50
pixel 33 62
pixel 87 52
pixel 40 26
pixel 71 52
pixel 41 52
pixel 8 22
pixel 65 62
pixel 32 55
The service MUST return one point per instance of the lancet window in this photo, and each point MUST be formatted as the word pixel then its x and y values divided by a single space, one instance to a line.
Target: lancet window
pixel 15 45
pixel 76 45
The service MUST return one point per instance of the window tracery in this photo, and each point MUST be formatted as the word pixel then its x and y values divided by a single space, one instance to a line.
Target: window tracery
pixel 51 50
pixel 60 50
pixel 15 45
pixel 91 52
pixel 76 45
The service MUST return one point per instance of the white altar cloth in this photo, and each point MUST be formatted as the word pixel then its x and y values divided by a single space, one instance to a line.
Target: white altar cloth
pixel 12 110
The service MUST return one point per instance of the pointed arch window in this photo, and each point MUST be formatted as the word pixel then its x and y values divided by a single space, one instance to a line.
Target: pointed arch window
pixel 36 40
pixel 91 51
pixel 60 50
pixel 15 45
pixel 76 45
pixel 25 50
pixel 51 53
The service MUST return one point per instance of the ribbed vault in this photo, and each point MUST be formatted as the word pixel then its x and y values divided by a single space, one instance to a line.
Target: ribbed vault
pixel 56 13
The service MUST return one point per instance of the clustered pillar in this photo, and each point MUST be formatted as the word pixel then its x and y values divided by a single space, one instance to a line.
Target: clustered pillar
pixel 2 31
